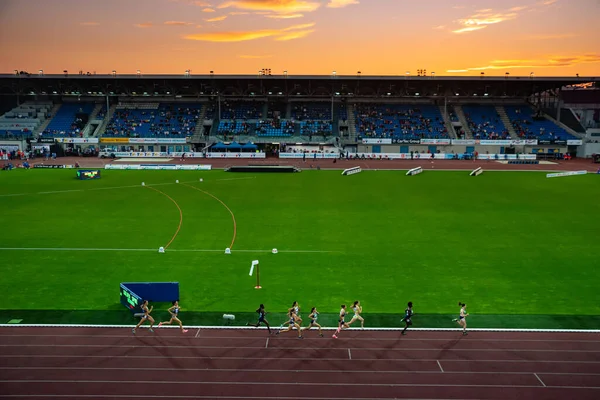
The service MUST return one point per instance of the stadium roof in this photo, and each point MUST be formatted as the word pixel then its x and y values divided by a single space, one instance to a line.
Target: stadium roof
pixel 283 85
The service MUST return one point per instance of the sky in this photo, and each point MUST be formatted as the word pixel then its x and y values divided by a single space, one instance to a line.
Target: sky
pixel 302 37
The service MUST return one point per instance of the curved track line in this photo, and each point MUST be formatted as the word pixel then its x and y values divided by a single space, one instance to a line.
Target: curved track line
pixel 224 205
pixel 180 214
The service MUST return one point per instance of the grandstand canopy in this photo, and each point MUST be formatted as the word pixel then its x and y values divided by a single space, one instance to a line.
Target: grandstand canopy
pixel 282 85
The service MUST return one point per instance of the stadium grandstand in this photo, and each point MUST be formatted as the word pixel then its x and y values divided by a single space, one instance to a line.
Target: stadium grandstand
pixel 346 114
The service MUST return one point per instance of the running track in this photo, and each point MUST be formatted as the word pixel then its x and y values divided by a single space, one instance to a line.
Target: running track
pixel 101 363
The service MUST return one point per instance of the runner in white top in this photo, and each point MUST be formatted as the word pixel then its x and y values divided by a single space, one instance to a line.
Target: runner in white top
pixel 357 308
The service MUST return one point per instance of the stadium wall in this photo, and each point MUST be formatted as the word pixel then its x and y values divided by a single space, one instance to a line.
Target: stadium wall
pixel 459 149
pixel 589 149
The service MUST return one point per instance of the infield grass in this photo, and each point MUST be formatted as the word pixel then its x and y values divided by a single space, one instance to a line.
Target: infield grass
pixel 514 244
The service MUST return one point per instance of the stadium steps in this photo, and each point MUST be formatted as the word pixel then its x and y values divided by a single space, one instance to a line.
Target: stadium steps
pixel 448 123
pixel 506 121
pixel 199 131
pixel 107 119
pixel 288 111
pixel 87 131
pixel 351 123
pixel 463 120
pixel 47 121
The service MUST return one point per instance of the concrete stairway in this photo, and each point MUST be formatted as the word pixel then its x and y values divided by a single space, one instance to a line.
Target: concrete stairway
pixel 351 122
pixel 506 121
pixel 107 118
pixel 198 136
pixel 448 123
pixel 463 121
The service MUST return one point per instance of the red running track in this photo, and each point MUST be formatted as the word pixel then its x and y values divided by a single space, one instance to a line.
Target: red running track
pixel 102 363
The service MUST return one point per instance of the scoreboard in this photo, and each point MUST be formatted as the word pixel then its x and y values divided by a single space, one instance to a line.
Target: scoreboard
pixel 130 299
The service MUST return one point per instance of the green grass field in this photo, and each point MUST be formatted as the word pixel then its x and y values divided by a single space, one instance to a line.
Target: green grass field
pixel 520 249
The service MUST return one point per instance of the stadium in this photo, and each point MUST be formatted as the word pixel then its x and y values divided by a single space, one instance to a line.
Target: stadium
pixel 223 192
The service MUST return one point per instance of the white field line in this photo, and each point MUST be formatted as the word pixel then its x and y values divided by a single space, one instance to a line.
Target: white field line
pixel 332 328
pixel 91 189
pixel 541 381
pixel 440 365
pixel 156 250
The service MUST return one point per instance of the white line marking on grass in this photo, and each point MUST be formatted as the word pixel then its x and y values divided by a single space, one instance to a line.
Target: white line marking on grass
pixel 197 333
pixel 541 381
pixel 156 250
pixel 90 189
pixel 215 327
pixel 440 365
pixel 267 344
pixel 349 355
pixel 235 179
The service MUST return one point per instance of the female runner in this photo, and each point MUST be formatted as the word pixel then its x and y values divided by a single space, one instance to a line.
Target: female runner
pixel 314 314
pixel 174 311
pixel 292 321
pixel 145 317
pixel 261 318
pixel 357 310
pixel 462 318
pixel 341 323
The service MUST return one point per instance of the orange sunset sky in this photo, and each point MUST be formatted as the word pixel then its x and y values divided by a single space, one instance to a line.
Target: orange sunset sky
pixel 376 37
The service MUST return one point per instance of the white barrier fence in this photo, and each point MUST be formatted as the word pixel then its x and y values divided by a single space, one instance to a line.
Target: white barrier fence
pixel 407 156
pixel 568 173
pixel 351 171
pixel 159 167
pixel 476 172
pixel 414 171
pixel 310 156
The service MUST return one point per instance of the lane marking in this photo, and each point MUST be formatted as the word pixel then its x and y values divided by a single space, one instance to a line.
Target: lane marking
pixel 224 205
pixel 541 381
pixel 440 365
pixel 214 327
pixel 370 360
pixel 267 344
pixel 180 214
pixel 197 333
pixel 349 355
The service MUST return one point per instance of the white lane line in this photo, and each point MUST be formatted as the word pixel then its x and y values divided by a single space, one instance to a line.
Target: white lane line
pixel 440 365
pixel 220 338
pixel 279 370
pixel 267 344
pixel 349 355
pixel 387 350
pixel 197 333
pixel 541 381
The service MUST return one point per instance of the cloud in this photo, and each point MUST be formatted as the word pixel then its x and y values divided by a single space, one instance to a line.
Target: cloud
pixel 518 8
pixel 341 3
pixel 202 3
pixel 469 29
pixel 216 19
pixel 274 6
pixel 292 32
pixel 208 10
pixel 144 25
pixel 239 13
pixel 548 2
pixel 178 23
pixel 550 62
pixel 246 56
pixel 284 16
pixel 482 19
pixel 89 23
pixel 551 36
pixel 439 27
